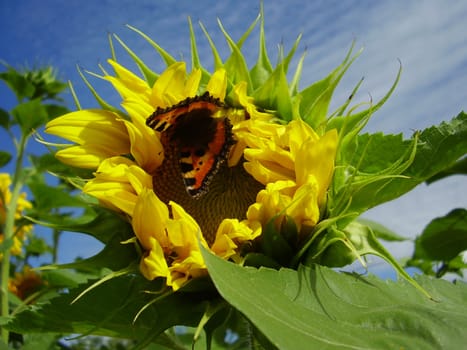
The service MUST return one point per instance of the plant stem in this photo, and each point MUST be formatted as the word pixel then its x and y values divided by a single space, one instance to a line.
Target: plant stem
pixel 9 230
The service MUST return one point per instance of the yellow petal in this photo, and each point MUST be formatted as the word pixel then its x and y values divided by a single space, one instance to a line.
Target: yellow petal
pixel 297 133
pixel 184 269
pixel 113 186
pixel 271 201
pixel 267 172
pixel 217 85
pixel 154 265
pixel 146 147
pixel 230 234
pixel 169 88
pixel 247 102
pixel 192 83
pixel 86 156
pixel 127 83
pixel 139 179
pixel 98 127
pixel 317 158
pixel 138 111
pixel 114 195
pixel 150 219
pixel 304 207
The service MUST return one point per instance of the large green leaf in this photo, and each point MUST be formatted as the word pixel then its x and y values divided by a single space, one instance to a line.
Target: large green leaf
pixel 385 167
pixel 458 168
pixel 110 310
pixel 318 308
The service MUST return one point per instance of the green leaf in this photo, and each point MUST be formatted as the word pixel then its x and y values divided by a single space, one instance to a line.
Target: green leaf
pixel 114 256
pixel 366 168
pixel 48 197
pixel 4 119
pixel 100 223
pixel 110 308
pixel 5 158
pixel 385 167
pixel 318 308
pixel 18 83
pixel 444 238
pixel 64 278
pixel 440 146
pixel 44 341
pixel 458 168
pixel 30 115
pixel 54 110
pixel 37 246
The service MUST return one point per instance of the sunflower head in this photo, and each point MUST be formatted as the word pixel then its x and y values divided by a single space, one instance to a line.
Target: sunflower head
pixel 238 160
pixel 25 283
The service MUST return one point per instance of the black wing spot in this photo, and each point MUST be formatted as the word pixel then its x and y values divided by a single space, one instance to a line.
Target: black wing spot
pixel 186 167
pixel 200 152
pixel 190 181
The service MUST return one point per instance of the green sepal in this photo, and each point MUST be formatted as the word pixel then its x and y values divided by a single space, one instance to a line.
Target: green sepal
pixel 168 59
pixel 235 65
pixel 263 68
pixel 104 105
pixel 148 74
pixel 381 231
pixel 315 99
pixel 274 245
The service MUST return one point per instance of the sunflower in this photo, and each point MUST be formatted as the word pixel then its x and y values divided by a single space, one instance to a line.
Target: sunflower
pixel 22 204
pixel 25 283
pixel 201 159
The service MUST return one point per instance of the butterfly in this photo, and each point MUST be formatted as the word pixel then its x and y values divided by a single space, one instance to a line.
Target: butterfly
pixel 200 130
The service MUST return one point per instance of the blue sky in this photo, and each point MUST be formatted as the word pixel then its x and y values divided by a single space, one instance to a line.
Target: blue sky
pixel 428 37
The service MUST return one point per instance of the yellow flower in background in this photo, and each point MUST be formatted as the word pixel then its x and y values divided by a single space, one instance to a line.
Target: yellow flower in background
pixel 194 160
pixel 22 204
pixel 25 283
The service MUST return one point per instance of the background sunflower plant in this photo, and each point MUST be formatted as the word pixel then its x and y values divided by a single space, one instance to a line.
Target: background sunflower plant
pixel 240 256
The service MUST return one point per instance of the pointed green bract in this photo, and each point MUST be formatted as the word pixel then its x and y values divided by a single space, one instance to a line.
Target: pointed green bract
pixel 263 68
pixel 99 99
pixel 149 75
pixel 235 65
pixel 168 59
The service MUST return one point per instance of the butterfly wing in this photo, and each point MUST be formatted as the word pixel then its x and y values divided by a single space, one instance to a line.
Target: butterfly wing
pixel 202 149
pixel 199 165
